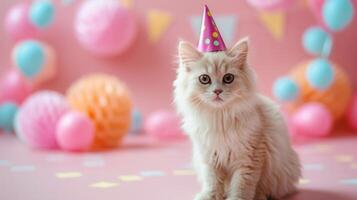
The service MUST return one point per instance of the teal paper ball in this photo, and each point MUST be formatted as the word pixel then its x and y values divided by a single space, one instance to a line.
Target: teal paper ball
pixel 42 13
pixel 136 121
pixel 285 89
pixel 316 41
pixel 320 74
pixel 29 57
pixel 337 14
pixel 8 112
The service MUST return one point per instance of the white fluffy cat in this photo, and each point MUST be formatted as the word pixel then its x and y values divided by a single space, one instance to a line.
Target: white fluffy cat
pixel 241 148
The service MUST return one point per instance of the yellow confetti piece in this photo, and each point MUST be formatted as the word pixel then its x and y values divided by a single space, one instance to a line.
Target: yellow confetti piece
pixel 127 3
pixel 104 184
pixel 274 22
pixel 304 181
pixel 353 165
pixel 157 22
pixel 344 158
pixel 186 172
pixel 130 178
pixel 323 148
pixel 68 174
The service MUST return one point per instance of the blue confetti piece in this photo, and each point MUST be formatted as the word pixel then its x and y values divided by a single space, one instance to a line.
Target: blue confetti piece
pixel 5 163
pixel 314 167
pixel 152 173
pixel 349 181
pixel 23 168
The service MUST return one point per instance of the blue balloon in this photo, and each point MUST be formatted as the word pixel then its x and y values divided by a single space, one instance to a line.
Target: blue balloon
pixel 317 41
pixel 136 121
pixel 337 14
pixel 29 57
pixel 285 89
pixel 320 74
pixel 7 115
pixel 42 13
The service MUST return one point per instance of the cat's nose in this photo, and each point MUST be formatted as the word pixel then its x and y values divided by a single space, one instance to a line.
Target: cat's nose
pixel 218 91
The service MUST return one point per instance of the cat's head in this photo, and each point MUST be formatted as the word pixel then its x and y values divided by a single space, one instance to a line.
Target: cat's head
pixel 214 79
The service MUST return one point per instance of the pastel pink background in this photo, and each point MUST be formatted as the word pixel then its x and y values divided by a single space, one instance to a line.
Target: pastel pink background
pixel 148 69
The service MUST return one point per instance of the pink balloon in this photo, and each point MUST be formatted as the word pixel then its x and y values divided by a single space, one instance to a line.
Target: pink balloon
pixel 105 28
pixel 14 87
pixel 17 22
pixel 312 119
pixel 271 4
pixel 75 131
pixel 352 113
pixel 37 119
pixel 163 125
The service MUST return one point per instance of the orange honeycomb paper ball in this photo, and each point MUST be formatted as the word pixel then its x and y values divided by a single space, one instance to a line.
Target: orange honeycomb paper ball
pixel 107 103
pixel 335 98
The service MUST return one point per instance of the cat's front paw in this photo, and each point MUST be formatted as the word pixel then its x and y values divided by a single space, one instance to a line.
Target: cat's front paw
pixel 209 196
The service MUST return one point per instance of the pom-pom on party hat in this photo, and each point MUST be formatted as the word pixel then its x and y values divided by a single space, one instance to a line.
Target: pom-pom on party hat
pixel 210 38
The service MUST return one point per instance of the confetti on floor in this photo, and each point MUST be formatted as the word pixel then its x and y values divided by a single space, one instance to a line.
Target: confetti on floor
pixel 186 172
pixel 104 184
pixel 65 175
pixel 349 181
pixel 5 163
pixel 344 158
pixel 304 181
pixel 323 148
pixel 354 165
pixel 130 178
pixel 23 168
pixel 152 173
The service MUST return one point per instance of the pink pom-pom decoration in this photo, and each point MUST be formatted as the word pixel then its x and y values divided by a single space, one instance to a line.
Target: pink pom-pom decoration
pixel 38 117
pixel 105 28
pixel 13 87
pixel 163 125
pixel 312 119
pixel 352 113
pixel 271 4
pixel 75 131
pixel 49 69
pixel 17 23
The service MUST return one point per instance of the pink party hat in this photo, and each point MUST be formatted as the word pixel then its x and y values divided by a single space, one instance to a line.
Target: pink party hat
pixel 210 38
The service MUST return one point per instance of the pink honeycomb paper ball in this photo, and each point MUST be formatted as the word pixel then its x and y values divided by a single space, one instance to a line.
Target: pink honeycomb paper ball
pixel 17 22
pixel 75 131
pixel 38 117
pixel 105 28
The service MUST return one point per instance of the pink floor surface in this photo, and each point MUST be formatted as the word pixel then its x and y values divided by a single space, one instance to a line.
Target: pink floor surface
pixel 144 169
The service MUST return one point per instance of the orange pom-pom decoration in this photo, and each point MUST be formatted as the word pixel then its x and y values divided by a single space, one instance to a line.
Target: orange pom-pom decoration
pixel 107 103
pixel 335 98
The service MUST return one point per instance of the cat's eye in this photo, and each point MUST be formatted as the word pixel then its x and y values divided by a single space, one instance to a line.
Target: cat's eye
pixel 204 79
pixel 228 78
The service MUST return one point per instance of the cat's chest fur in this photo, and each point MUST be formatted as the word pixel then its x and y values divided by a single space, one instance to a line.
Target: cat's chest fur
pixel 222 137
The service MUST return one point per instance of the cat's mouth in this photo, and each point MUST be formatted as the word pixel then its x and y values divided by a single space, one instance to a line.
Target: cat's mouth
pixel 217 99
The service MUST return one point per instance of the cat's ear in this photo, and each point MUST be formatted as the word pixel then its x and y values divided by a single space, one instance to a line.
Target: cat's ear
pixel 239 52
pixel 188 53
